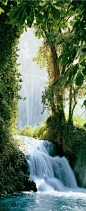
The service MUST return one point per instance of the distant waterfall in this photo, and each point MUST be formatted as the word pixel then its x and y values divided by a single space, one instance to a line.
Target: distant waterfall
pixel 30 109
pixel 49 173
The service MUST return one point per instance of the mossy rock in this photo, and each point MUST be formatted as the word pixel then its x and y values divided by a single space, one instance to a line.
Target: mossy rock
pixel 30 185
pixel 14 171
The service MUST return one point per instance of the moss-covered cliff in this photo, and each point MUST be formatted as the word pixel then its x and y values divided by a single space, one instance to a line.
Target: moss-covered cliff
pixel 14 171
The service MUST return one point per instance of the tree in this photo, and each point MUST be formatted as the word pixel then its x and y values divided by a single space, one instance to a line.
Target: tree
pixel 59 23
pixel 70 50
pixel 49 27
pixel 75 57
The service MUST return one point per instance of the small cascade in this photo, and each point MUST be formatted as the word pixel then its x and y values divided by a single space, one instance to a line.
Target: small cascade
pixel 49 173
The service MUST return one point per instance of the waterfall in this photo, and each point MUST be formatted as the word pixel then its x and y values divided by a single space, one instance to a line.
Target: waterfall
pixel 30 109
pixel 49 173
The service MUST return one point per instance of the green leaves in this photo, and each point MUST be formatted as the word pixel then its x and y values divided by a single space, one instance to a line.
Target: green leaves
pixel 22 14
pixel 30 19
pixel 39 17
pixel 64 60
pixel 79 79
pixel 55 13
pixel 75 68
pixel 84 71
pixel 9 76
pixel 1 10
pixel 82 57
pixel 74 75
pixel 59 22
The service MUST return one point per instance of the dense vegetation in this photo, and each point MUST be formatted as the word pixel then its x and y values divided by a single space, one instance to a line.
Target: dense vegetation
pixel 8 102
pixel 9 78
pixel 14 170
pixel 62 25
pixel 13 166
pixel 63 50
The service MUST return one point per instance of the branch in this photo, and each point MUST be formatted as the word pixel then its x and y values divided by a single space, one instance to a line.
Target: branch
pixel 74 107
pixel 74 101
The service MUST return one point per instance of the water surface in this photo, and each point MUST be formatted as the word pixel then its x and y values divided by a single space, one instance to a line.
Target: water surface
pixel 42 201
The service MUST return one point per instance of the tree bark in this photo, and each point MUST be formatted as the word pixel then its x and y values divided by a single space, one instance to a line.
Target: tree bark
pixel 56 73
pixel 70 103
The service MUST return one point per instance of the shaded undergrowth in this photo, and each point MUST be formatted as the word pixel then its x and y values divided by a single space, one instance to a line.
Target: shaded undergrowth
pixel 14 170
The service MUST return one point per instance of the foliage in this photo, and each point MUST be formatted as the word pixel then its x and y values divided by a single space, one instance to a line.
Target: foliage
pixel 39 131
pixel 49 129
pixel 35 132
pixel 14 174
pixel 74 143
pixel 26 131
pixel 44 59
pixel 75 48
pixel 59 23
pixel 13 169
pixel 9 76
pixel 79 122
pixel 70 57
pixel 47 21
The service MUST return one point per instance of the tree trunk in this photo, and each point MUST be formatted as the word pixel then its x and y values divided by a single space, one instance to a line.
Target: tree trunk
pixel 70 103
pixel 56 75
pixel 58 112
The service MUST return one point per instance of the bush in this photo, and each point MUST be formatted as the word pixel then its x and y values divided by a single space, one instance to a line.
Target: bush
pixel 39 131
pixel 13 169
pixel 26 131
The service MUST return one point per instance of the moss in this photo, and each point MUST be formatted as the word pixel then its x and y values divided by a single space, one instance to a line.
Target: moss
pixel 14 170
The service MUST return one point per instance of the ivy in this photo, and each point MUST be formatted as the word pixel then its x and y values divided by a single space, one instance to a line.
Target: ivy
pixel 9 76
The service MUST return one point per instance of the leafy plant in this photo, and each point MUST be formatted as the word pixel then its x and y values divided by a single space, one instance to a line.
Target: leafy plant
pixel 9 76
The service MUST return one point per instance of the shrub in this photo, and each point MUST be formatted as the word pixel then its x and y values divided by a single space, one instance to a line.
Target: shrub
pixel 13 169
pixel 26 131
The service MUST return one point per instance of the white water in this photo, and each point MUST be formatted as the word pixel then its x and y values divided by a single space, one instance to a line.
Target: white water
pixel 49 173
pixel 57 188
pixel 30 109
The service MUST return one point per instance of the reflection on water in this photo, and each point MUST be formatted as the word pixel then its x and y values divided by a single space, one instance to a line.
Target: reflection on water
pixel 56 201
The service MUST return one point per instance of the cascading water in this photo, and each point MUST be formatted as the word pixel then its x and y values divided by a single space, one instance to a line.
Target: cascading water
pixel 30 109
pixel 49 173
pixel 55 180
